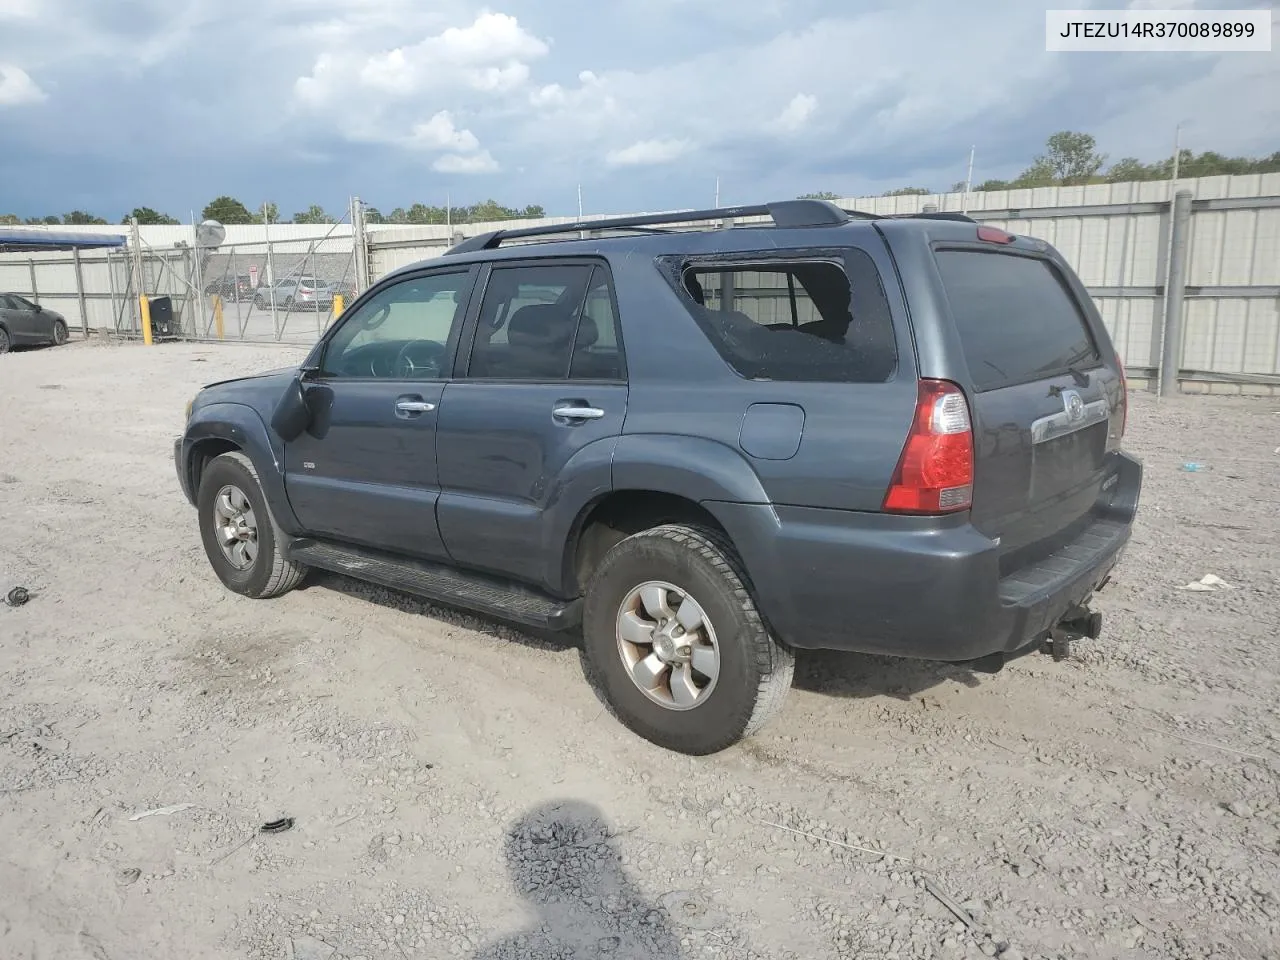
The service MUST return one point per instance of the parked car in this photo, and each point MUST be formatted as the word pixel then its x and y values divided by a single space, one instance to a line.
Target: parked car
pixel 295 293
pixel 707 449
pixel 23 323
pixel 239 287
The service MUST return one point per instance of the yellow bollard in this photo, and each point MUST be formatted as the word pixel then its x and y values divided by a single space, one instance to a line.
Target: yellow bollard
pixel 217 315
pixel 338 305
pixel 144 303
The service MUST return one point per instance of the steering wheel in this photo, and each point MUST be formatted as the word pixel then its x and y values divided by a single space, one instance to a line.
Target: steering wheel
pixel 418 359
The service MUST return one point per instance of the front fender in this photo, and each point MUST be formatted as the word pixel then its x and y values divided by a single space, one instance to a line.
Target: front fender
pixel 241 424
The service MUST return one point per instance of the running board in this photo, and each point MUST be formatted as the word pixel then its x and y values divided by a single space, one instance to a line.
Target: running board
pixel 490 596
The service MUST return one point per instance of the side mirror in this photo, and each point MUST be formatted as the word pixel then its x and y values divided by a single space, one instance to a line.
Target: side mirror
pixel 292 416
pixel 39 309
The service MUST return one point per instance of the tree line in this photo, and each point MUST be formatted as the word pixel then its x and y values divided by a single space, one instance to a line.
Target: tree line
pixel 1071 158
pixel 229 210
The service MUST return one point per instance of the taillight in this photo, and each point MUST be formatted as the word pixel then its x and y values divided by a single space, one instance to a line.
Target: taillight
pixel 935 471
pixel 994 235
pixel 1124 404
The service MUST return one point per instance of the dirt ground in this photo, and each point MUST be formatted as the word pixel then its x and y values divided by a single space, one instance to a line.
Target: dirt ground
pixel 458 790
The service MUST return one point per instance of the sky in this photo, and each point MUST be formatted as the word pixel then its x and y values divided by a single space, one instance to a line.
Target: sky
pixel 110 104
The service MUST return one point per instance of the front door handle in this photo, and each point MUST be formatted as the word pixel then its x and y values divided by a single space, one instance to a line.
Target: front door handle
pixel 414 406
pixel 573 411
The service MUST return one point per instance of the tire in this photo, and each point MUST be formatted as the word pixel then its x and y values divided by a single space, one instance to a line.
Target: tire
pixel 753 670
pixel 60 335
pixel 267 573
pixel 4 341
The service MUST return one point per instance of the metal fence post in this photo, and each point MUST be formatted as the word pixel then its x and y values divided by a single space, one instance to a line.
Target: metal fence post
pixel 35 291
pixel 84 309
pixel 360 245
pixel 1171 354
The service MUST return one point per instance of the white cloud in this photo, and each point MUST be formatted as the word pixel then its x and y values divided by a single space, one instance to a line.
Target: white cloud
pixel 17 87
pixel 491 55
pixel 492 37
pixel 549 96
pixel 17 9
pixel 481 162
pixel 499 79
pixel 647 152
pixel 439 133
pixel 796 113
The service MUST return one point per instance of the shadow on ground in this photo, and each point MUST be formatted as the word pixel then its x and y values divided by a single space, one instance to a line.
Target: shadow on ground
pixel 859 675
pixel 564 861
pixel 828 672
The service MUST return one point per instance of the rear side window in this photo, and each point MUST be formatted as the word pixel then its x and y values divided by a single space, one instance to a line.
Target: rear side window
pixel 1016 319
pixel 821 319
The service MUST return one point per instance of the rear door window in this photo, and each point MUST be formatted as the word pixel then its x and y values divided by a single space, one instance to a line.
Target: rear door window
pixel 1016 318
pixel 824 318
pixel 546 322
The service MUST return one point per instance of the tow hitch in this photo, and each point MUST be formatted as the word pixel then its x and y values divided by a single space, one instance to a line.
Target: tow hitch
pixel 1079 622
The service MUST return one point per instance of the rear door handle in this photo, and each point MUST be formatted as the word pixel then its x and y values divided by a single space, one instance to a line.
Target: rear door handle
pixel 573 411
pixel 414 406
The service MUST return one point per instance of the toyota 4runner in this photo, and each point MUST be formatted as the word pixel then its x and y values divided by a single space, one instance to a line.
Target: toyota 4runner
pixel 706 448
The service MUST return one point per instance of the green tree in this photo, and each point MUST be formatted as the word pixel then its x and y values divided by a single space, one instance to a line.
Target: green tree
pixel 50 221
pixel 313 214
pixel 819 195
pixel 79 218
pixel 398 215
pixel 148 217
pixel 1128 169
pixel 911 192
pixel 267 213
pixel 9 219
pixel 373 215
pixel 1071 158
pixel 226 209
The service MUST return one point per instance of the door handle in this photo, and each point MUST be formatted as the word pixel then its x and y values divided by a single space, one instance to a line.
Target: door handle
pixel 573 411
pixel 414 406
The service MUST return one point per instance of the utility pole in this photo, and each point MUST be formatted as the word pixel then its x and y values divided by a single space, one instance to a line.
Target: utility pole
pixel 717 204
pixel 968 180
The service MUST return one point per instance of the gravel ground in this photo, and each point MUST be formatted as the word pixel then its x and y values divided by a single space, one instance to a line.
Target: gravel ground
pixel 459 791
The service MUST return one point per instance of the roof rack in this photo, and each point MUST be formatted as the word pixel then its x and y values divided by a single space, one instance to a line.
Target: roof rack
pixel 785 213
pixel 935 215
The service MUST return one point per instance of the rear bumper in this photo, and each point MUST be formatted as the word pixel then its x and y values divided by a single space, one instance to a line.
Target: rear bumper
pixel 924 587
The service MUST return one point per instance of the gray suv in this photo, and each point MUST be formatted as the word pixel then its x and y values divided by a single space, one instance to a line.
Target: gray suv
pixel 705 448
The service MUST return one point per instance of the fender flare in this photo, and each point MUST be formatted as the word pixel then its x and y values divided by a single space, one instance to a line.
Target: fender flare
pixel 695 469
pixel 242 425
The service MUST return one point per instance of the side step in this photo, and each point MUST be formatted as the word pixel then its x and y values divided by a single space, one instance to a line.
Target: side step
pixel 490 596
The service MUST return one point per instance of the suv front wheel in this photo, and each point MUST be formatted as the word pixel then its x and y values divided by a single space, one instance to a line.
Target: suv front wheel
pixel 673 638
pixel 241 538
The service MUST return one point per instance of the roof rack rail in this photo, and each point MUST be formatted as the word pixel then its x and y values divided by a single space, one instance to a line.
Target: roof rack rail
pixel 784 213
pixel 936 215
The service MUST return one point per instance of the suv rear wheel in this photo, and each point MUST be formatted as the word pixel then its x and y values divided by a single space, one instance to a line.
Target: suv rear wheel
pixel 241 538
pixel 673 638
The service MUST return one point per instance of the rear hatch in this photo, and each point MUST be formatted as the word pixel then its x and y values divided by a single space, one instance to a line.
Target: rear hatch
pixel 1047 392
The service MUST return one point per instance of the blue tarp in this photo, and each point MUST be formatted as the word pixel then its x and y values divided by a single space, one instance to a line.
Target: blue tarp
pixel 34 238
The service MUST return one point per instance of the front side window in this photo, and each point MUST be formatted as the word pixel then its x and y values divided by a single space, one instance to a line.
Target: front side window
pixel 819 319
pixel 546 322
pixel 402 332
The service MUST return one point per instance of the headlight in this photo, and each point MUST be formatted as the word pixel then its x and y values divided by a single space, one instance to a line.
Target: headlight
pixel 190 403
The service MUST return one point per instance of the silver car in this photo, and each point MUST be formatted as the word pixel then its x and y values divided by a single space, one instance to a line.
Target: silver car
pixel 295 293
